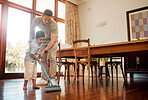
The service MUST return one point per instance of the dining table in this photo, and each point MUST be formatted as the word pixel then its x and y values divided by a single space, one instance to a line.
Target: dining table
pixel 120 49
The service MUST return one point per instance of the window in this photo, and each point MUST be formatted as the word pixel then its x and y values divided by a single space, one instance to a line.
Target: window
pixel 61 10
pixel 18 29
pixel 45 4
pixel 61 32
pixel 26 3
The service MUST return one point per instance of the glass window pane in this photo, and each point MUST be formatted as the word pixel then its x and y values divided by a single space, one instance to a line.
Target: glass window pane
pixel 26 3
pixel 38 65
pixel 18 31
pixel 61 32
pixel 47 4
pixel 61 10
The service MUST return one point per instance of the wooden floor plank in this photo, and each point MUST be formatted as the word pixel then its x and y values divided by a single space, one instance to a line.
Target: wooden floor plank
pixel 136 89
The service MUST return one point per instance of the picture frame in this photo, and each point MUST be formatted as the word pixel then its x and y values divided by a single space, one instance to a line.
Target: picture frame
pixel 137 23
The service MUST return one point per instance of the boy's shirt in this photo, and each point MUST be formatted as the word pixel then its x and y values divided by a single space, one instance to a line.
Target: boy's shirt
pixel 34 49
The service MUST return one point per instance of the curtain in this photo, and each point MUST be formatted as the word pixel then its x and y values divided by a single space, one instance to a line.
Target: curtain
pixel 72 28
pixel 72 23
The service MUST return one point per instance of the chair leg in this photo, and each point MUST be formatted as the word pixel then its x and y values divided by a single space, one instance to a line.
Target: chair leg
pixel 106 72
pixel 95 71
pixel 68 71
pixel 100 72
pixel 116 71
pixel 92 71
pixel 123 72
pixel 76 67
pixel 88 71
pixel 78 71
pixel 65 72
pixel 83 71
pixel 112 72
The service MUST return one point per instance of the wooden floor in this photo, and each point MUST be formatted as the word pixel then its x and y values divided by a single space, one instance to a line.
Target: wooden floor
pixel 136 89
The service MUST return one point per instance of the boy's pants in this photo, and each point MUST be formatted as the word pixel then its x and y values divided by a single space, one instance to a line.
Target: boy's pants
pixel 52 59
pixel 30 70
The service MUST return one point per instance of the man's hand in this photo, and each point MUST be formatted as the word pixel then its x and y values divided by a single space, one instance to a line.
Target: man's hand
pixel 42 54
pixel 39 61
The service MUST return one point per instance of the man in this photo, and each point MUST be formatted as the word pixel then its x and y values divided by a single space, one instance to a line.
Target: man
pixel 49 26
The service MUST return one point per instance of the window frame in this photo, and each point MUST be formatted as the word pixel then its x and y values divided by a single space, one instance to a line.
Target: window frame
pixel 4 17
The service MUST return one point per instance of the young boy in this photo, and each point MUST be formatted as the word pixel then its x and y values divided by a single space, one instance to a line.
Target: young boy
pixel 31 59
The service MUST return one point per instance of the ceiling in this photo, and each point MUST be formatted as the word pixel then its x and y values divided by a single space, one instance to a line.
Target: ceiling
pixel 77 2
pixel 81 1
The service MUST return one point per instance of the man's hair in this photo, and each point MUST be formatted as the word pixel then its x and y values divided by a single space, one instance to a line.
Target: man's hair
pixel 48 12
pixel 40 34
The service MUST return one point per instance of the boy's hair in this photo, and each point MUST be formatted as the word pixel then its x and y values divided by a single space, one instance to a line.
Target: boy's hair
pixel 48 12
pixel 40 34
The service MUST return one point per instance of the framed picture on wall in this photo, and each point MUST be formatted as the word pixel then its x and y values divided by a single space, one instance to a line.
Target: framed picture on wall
pixel 137 23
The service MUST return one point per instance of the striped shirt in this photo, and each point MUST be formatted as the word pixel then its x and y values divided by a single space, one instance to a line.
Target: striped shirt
pixel 34 49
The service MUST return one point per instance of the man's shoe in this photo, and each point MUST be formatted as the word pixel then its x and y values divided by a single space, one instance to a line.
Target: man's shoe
pixel 41 82
pixel 54 82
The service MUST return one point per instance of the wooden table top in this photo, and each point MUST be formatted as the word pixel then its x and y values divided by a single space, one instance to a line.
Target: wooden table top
pixel 129 48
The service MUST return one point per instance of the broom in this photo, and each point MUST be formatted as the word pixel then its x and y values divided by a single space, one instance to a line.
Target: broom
pixel 52 87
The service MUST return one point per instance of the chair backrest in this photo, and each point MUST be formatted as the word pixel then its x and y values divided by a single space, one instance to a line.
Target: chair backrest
pixel 116 59
pixel 59 59
pixel 76 50
pixel 59 54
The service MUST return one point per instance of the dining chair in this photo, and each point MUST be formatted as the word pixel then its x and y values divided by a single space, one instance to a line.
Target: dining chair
pixel 101 66
pixel 115 62
pixel 83 58
pixel 63 61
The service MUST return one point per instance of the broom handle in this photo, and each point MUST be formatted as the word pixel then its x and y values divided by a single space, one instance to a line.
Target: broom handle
pixel 46 74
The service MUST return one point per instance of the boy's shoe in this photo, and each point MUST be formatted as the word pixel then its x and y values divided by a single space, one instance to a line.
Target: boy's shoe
pixel 41 82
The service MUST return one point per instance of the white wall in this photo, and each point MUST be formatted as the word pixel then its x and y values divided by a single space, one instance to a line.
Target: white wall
pixel 104 21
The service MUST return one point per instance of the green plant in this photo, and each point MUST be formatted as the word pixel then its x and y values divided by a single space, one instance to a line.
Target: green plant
pixel 104 59
pixel 15 57
pixel 138 38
